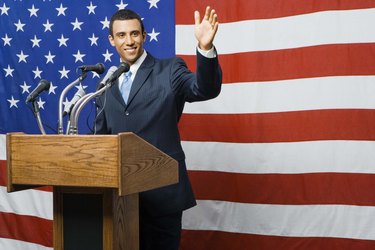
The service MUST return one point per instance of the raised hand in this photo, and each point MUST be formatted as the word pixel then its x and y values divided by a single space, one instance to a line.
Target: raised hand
pixel 206 29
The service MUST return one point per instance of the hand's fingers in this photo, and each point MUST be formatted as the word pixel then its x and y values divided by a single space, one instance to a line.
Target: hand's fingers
pixel 216 26
pixel 197 17
pixel 214 21
pixel 213 17
pixel 207 13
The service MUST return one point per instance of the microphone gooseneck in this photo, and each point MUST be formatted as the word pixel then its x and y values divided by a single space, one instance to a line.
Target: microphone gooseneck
pixel 122 68
pixel 110 72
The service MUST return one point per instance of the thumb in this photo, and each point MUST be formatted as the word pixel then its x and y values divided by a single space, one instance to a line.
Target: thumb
pixel 197 17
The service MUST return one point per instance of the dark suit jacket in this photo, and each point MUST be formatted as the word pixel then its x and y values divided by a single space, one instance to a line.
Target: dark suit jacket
pixel 157 97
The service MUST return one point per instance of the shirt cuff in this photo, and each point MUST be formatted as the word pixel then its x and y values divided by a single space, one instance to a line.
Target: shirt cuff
pixel 208 53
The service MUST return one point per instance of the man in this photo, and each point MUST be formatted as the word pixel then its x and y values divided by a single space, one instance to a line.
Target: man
pixel 155 94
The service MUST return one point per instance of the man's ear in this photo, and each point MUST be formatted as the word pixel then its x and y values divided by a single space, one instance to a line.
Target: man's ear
pixel 110 38
pixel 144 36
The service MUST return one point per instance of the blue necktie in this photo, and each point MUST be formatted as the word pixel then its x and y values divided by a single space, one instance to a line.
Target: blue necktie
pixel 126 85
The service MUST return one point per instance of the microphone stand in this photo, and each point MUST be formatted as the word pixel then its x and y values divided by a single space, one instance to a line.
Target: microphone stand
pixel 37 115
pixel 73 130
pixel 124 67
pixel 63 93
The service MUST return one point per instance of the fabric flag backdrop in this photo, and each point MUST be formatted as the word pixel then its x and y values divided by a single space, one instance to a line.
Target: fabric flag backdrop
pixel 282 159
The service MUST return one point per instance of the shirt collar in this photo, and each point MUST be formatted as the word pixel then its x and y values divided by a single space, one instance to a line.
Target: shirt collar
pixel 134 67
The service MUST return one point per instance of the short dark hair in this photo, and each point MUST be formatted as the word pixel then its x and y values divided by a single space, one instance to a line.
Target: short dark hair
pixel 124 14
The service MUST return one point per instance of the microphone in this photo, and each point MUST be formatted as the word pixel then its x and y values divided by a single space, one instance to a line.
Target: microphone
pixel 98 68
pixel 43 85
pixel 68 107
pixel 123 67
pixel 110 72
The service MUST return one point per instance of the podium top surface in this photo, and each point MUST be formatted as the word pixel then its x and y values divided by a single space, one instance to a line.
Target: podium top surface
pixel 125 162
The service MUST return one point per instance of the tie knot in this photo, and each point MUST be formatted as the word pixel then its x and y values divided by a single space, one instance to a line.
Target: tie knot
pixel 128 74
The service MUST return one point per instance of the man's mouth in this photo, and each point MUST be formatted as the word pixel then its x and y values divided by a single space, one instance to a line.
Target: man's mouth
pixel 130 49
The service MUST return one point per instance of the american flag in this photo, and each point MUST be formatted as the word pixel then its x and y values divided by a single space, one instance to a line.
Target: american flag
pixel 282 159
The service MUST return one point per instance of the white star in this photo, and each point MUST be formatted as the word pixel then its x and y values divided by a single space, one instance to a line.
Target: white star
pixel 6 39
pixel 105 23
pixel 41 103
pixel 64 73
pixel 37 72
pixel 91 8
pixel 76 24
pixel 8 71
pixel 13 102
pixel 153 3
pixel 52 89
pixel 95 75
pixel 107 56
pixel 33 11
pixel 25 87
pixel 121 5
pixel 47 26
pixel 35 41
pixel 66 103
pixel 79 56
pixel 80 86
pixel 49 57
pixel 61 10
pixel 22 57
pixel 63 41
pixel 19 25
pixel 93 39
pixel 4 9
pixel 153 35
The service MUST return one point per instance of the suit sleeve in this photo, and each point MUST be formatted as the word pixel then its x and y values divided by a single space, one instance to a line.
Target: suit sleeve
pixel 203 85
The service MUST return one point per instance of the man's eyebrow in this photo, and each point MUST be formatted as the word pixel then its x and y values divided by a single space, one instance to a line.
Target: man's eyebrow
pixel 130 32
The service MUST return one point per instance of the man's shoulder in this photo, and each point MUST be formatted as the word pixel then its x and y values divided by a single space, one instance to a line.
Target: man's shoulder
pixel 169 61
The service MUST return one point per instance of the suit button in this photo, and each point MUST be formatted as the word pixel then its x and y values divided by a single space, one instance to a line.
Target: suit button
pixel 127 113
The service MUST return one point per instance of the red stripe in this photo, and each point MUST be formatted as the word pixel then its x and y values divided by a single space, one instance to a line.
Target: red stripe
pixel 237 10
pixel 291 189
pixel 306 62
pixel 4 174
pixel 340 124
pixel 26 228
pixel 203 240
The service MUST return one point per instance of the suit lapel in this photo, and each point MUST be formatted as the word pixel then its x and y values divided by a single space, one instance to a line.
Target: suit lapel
pixel 117 94
pixel 142 74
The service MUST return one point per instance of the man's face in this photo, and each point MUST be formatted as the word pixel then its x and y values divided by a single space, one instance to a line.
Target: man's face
pixel 128 39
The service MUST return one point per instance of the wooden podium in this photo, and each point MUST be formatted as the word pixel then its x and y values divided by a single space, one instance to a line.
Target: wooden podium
pixel 115 167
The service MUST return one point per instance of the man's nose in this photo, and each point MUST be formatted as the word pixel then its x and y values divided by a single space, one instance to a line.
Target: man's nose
pixel 129 40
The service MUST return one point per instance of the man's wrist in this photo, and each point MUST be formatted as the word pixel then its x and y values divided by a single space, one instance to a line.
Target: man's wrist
pixel 211 53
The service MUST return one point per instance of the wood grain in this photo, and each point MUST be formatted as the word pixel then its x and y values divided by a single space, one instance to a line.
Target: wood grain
pixel 63 160
pixel 143 167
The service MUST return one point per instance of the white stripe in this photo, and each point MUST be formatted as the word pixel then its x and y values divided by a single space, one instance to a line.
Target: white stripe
pixel 3 147
pixel 290 95
pixel 9 244
pixel 329 27
pixel 28 202
pixel 340 221
pixel 292 157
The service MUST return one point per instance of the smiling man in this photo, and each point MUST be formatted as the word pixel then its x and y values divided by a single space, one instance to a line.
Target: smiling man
pixel 127 36
pixel 149 101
